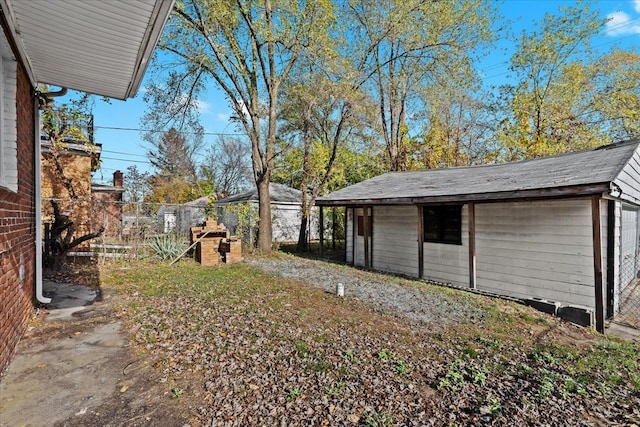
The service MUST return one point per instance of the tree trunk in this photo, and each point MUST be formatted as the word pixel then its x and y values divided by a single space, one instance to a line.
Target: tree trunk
pixel 303 245
pixel 265 232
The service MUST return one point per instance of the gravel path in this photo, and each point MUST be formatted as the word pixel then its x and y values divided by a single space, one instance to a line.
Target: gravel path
pixel 411 299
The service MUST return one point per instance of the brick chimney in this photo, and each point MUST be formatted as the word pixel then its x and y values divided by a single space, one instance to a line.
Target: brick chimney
pixel 117 179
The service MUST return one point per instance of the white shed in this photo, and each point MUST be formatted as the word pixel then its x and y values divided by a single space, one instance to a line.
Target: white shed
pixel 562 229
pixel 285 212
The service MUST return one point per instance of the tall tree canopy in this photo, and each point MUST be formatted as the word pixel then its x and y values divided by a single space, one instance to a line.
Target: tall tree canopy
pixel 174 179
pixel 318 117
pixel 226 166
pixel 247 48
pixel 567 98
pixel 405 47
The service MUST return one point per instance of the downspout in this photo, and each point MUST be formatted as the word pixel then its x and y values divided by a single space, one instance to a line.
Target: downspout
pixel 38 187
pixel 41 100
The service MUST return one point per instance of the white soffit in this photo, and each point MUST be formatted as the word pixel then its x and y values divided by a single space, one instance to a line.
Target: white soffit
pixel 97 46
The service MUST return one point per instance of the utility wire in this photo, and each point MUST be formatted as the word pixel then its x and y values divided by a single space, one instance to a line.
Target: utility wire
pixel 163 131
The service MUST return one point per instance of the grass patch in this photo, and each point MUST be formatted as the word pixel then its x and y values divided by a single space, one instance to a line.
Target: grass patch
pixel 244 329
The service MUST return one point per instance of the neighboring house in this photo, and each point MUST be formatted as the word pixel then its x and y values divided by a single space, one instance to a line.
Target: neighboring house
pixel 78 160
pixel 285 212
pixel 110 45
pixel 95 205
pixel 106 206
pixel 561 228
pixel 180 218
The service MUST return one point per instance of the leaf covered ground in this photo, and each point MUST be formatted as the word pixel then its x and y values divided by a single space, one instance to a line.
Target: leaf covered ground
pixel 265 343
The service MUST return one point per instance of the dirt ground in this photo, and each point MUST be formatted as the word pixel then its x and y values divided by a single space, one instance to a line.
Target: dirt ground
pixel 92 377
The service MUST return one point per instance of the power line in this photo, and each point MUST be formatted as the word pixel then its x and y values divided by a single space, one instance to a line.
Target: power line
pixel 126 160
pixel 126 154
pixel 164 131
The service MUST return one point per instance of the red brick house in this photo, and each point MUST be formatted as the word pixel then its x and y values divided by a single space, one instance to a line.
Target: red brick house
pixel 101 48
pixel 106 206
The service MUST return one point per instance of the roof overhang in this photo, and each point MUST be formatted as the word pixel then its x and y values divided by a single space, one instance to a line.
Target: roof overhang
pixel 96 46
pixel 501 196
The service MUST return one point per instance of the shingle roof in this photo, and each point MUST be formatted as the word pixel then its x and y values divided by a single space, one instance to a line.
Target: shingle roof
pixel 572 173
pixel 279 193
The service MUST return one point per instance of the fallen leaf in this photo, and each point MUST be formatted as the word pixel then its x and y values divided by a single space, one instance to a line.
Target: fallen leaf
pixel 354 418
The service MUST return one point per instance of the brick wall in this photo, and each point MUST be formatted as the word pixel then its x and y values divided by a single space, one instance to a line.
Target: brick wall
pixel 17 232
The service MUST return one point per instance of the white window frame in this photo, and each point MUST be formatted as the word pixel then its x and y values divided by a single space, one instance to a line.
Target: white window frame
pixel 8 117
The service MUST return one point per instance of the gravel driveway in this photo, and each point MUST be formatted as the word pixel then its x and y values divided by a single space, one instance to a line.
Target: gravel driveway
pixel 414 300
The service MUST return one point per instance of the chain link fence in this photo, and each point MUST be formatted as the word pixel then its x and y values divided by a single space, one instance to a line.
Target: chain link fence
pixel 130 226
pixel 629 294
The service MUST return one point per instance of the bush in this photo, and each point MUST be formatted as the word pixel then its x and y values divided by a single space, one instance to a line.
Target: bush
pixel 166 246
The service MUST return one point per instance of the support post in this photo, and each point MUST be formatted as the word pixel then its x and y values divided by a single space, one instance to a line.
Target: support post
pixel 354 224
pixel 597 261
pixel 420 242
pixel 611 241
pixel 333 228
pixel 321 230
pixel 472 244
pixel 365 225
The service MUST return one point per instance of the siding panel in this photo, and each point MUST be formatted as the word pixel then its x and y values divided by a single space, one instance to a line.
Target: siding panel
pixel 538 249
pixel 395 239
pixel 629 180
pixel 349 236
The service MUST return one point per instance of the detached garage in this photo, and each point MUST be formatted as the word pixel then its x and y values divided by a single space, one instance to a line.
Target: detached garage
pixel 562 229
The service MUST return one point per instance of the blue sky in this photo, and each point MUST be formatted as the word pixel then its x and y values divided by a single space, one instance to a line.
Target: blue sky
pixel 123 148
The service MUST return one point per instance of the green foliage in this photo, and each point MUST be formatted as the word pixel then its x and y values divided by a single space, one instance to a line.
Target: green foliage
pixel 407 49
pixel 494 406
pixel 384 354
pixel 294 393
pixel 401 367
pixel 336 389
pixel 166 246
pixel 377 419
pixel 566 98
pixel 454 378
pixel 246 216
pixel 301 348
pixel 175 179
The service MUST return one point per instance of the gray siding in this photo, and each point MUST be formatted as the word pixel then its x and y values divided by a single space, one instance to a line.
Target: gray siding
pixel 395 239
pixel 285 220
pixel 349 236
pixel 617 254
pixel 538 249
pixel 629 180
pixel 449 263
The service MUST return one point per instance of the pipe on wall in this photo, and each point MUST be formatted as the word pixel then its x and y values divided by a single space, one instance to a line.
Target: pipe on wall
pixel 38 203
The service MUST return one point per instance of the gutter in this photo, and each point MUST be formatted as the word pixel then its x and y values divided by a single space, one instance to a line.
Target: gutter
pixel 38 202
pixel 41 100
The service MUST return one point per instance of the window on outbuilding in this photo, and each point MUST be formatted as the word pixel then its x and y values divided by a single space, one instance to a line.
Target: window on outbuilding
pixel 443 224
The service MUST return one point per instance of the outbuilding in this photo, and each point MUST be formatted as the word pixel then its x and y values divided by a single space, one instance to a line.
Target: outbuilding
pixel 562 229
pixel 286 212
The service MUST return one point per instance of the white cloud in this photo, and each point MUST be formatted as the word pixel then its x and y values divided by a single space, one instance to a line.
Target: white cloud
pixel 203 106
pixel 636 5
pixel 621 24
pixel 223 117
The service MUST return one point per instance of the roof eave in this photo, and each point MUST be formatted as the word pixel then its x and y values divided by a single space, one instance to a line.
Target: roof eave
pixel 529 194
pixel 161 14
pixel 126 89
